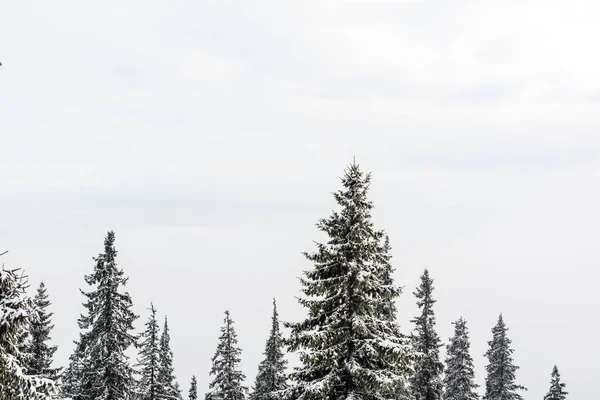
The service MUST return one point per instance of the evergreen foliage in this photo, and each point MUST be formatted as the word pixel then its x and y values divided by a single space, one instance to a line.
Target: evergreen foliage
pixel 99 368
pixel 148 364
pixel 16 312
pixel 557 388
pixel 426 382
pixel 500 380
pixel 271 379
pixel 193 394
pixel 168 388
pixel 459 380
pixel 227 383
pixel 346 348
pixel 41 355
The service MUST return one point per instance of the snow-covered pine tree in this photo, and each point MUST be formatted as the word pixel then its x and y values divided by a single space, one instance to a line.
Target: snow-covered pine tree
pixel 426 382
pixel 15 311
pixel 41 355
pixel 388 312
pixel 178 391
pixel 71 377
pixel 228 382
pixel 557 388
pixel 459 380
pixel 271 379
pixel 168 388
pixel 100 368
pixel 346 348
pixel 193 394
pixel 500 380
pixel 149 359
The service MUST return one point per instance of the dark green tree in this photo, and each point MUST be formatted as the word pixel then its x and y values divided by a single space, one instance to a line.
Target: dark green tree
pixel 459 380
pixel 193 395
pixel 148 364
pixel 271 379
pixel 99 368
pixel 346 348
pixel 426 382
pixel 557 388
pixel 501 372
pixel 168 388
pixel 16 313
pixel 41 354
pixel 227 383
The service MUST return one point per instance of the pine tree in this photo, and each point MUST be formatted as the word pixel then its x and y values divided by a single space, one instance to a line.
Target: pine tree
pixel 16 312
pixel 500 380
pixel 168 388
pixel 40 353
pixel 193 395
pixel 99 369
pixel 71 378
pixel 557 388
pixel 346 348
pixel 426 383
pixel 228 379
pixel 148 364
pixel 388 312
pixel 459 380
pixel 271 378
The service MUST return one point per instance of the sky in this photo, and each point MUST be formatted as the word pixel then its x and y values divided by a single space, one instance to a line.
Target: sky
pixel 209 136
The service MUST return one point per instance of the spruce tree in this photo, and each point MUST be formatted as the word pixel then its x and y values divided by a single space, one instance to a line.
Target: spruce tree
pixel 346 348
pixel 557 388
pixel 271 378
pixel 148 364
pixel 16 313
pixel 426 382
pixel 500 380
pixel 388 312
pixel 193 394
pixel 40 353
pixel 99 369
pixel 459 380
pixel 168 388
pixel 227 383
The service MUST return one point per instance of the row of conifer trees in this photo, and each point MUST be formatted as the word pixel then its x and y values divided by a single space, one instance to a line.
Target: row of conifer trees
pixel 349 345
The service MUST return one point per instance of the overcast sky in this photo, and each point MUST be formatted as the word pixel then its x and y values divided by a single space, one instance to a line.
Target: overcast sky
pixel 209 135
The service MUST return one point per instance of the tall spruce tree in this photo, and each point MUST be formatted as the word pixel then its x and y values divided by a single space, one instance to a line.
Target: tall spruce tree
pixel 459 380
pixel 168 388
pixel 557 388
pixel 271 379
pixel 193 394
pixel 426 382
pixel 227 383
pixel 149 362
pixel 500 380
pixel 16 313
pixel 41 355
pixel 346 348
pixel 99 368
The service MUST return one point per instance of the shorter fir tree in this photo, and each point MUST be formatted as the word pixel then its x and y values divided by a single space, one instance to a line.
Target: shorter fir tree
pixel 148 364
pixel 166 377
pixel 426 382
pixel 500 381
pixel 459 380
pixel 228 379
pixel 557 388
pixel 40 353
pixel 193 395
pixel 271 377
pixel 15 313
